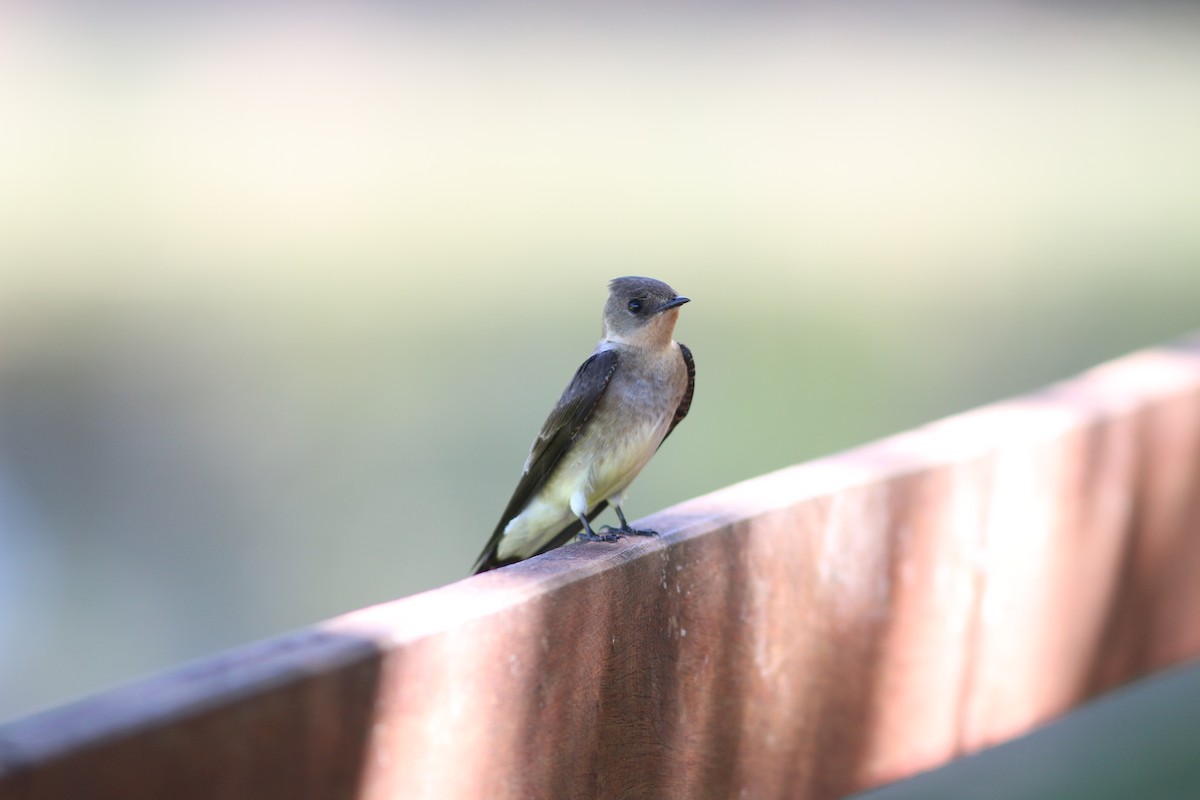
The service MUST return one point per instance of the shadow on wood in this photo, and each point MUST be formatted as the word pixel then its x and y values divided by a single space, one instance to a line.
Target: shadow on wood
pixel 804 634
pixel 290 717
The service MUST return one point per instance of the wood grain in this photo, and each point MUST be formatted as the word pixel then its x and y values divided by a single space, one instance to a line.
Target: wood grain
pixel 801 635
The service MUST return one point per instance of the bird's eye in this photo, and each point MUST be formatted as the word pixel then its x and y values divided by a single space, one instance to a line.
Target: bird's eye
pixel 635 306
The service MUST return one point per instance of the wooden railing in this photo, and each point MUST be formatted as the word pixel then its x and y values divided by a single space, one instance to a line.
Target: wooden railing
pixel 804 634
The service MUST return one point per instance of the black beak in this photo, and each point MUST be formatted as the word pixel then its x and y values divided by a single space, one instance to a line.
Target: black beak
pixel 673 303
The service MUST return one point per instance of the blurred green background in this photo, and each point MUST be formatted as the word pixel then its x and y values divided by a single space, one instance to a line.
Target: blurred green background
pixel 286 290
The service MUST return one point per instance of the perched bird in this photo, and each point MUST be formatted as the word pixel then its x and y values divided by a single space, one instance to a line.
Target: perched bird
pixel 620 406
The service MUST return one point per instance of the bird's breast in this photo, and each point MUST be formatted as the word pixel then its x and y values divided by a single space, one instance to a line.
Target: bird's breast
pixel 631 421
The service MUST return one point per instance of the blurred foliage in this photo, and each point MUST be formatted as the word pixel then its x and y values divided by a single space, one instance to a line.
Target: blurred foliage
pixel 289 292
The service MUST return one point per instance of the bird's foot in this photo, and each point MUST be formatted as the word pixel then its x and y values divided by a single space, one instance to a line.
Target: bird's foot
pixel 626 530
pixel 606 535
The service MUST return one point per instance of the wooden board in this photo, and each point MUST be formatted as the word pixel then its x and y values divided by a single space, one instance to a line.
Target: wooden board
pixel 804 634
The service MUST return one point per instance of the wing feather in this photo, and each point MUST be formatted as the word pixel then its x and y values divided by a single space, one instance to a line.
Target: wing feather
pixel 685 403
pixel 560 430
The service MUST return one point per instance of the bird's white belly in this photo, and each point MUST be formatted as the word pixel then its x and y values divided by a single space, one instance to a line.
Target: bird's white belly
pixel 602 466
pixel 622 459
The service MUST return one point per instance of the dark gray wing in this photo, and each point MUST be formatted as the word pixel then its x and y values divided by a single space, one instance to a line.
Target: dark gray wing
pixel 685 404
pixel 559 431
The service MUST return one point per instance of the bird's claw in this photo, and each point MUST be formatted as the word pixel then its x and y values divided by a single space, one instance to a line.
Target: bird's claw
pixel 626 530
pixel 606 535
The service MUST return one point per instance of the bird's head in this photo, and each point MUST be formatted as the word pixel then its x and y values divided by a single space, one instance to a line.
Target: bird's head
pixel 641 311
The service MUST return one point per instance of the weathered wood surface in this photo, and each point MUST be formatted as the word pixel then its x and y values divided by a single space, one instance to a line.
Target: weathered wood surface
pixel 801 635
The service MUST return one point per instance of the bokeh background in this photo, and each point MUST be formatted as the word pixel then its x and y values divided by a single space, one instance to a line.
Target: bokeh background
pixel 286 289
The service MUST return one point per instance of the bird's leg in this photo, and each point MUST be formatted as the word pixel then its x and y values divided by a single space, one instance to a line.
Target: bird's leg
pixel 625 530
pixel 588 535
